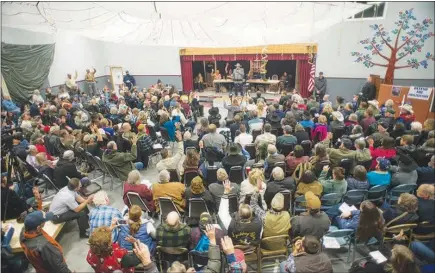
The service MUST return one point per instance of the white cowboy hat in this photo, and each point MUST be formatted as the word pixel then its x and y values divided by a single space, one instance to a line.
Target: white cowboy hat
pixel 375 103
pixel 238 65
pixel 338 115
pixel 407 107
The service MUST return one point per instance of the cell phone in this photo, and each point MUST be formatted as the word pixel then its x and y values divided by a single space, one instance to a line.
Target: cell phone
pixel 121 222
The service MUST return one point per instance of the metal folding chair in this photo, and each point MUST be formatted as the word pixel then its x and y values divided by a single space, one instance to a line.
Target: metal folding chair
pixel 167 206
pixel 355 197
pixel 236 174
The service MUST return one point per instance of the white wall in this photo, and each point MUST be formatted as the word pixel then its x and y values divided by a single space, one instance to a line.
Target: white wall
pixel 73 52
pixel 143 60
pixel 335 45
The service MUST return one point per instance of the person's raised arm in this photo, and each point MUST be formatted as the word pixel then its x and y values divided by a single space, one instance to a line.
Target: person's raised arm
pixel 259 212
pixel 143 254
pixel 75 75
pixel 180 147
pixel 133 154
pixel 214 254
pixel 323 174
pixel 224 212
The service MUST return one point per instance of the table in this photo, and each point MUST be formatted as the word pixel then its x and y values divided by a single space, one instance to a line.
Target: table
pixel 218 84
pixel 257 82
pixel 52 229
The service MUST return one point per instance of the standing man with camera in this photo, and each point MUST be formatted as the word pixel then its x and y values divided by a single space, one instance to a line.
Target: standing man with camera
pixel 238 77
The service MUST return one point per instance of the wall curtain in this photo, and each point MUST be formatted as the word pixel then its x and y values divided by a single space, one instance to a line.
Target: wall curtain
pixel 25 68
pixel 187 75
pixel 304 77
pixel 245 57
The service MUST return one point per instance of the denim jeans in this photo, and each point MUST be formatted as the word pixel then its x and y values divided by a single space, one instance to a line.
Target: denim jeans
pixel 139 165
pixel 92 89
pixel 238 86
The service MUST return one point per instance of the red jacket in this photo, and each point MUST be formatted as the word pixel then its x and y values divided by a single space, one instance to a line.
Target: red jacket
pixel 381 152
pixel 41 149
pixel 110 263
pixel 145 194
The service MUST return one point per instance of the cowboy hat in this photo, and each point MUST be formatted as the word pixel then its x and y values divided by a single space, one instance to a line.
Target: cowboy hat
pixel 274 118
pixel 338 115
pixel 233 149
pixel 407 108
pixel 375 103
pixel 238 65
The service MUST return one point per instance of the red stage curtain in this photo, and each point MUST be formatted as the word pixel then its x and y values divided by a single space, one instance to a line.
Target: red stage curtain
pixel 244 57
pixel 187 75
pixel 304 77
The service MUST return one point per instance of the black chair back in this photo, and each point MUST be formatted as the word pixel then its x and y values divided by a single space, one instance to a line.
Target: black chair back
pixel 367 164
pixel 173 175
pixel 198 259
pixel 248 199
pixel 167 206
pixel 250 148
pixel 236 174
pixel 355 197
pixel 274 131
pixel 308 130
pixel 152 132
pixel 285 149
pixel 196 207
pixel 377 193
pixel 134 199
pixel 329 200
pixel 255 133
pixel 282 165
pixel 211 174
pixel 233 205
pixel 337 133
pixel 306 144
pixel 287 199
pixel 397 141
pixel 346 164
pixel 189 175
pixel 406 188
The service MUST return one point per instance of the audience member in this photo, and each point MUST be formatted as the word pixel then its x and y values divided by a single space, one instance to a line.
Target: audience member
pixel 173 233
pixel 380 176
pixel 387 150
pixel 278 183
pixel 344 151
pixel 267 136
pixel 405 173
pixel 134 185
pixel 197 190
pixel 359 179
pixel 199 233
pixel 102 214
pixel 172 162
pixel 287 138
pixel 65 168
pixel 243 138
pixel 308 182
pixel 173 190
pixel 233 158
pixel 295 158
pixel 426 175
pixel 404 213
pixel 254 182
pixel 335 185
pixel 301 134
pixel 214 139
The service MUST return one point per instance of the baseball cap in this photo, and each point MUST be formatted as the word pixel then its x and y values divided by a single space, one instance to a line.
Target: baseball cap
pixel 384 124
pixel 313 202
pixel 36 218
pixel 384 163
pixel 347 143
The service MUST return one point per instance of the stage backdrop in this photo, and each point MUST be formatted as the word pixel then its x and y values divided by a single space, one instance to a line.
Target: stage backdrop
pixel 304 66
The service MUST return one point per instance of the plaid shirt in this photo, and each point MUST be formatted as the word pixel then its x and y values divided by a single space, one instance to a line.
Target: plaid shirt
pixel 145 142
pixel 168 237
pixel 102 216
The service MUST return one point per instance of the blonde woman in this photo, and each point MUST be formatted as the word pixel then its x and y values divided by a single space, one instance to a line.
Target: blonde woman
pixel 327 111
pixel 254 183
pixel 261 109
pixel 44 165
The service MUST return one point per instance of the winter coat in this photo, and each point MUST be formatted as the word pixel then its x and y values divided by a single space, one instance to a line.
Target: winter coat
pixel 404 174
pixel 381 152
pixel 320 84
pixel 63 169
pixel 332 185
pixel 354 184
pixel 174 190
pixel 306 224
pixel 121 162
pixel 336 155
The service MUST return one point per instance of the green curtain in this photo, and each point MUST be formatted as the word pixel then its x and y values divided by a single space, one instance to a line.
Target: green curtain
pixel 25 68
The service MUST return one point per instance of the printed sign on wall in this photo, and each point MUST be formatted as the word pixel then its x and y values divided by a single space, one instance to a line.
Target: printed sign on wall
pixel 419 93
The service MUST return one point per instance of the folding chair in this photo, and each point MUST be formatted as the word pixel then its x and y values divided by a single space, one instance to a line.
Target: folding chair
pixel 169 254
pixel 232 203
pixel 236 174
pixel 355 197
pixel 196 207
pixel 112 173
pixel 91 160
pixel 252 254
pixel 346 164
pixel 367 164
pixel 394 194
pixel 167 206
pixel 197 259
pixel 282 165
pixel 102 167
pixel 48 181
pixel 424 232
pixel 255 133
pixel 344 238
pixel 394 230
pixel 279 249
pixel 250 148
pixel 329 200
pixel 300 205
pixel 377 193
pixel 306 144
pixel 134 199
pixel 285 149
pixel 189 175
pixel 211 175
pixel 287 200
pixel 174 177
pixel 337 133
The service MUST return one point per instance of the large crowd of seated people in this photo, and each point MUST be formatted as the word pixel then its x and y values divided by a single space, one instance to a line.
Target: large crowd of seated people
pixel 284 170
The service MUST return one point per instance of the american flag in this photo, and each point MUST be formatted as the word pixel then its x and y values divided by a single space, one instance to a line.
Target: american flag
pixel 312 74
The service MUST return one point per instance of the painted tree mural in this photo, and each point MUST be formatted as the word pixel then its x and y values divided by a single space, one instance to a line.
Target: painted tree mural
pixel 409 38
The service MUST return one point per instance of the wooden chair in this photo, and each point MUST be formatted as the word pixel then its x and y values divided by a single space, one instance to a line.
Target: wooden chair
pixel 424 226
pixel 252 254
pixel 273 247
pixel 394 230
pixel 168 255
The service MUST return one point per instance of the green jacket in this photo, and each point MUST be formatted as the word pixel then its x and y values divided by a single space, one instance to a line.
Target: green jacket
pixel 336 155
pixel 332 185
pixel 122 163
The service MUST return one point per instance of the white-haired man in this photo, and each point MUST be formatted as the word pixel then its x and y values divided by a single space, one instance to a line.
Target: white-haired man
pixel 102 214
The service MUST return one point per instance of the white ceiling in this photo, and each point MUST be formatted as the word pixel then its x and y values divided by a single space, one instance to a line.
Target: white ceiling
pixel 211 24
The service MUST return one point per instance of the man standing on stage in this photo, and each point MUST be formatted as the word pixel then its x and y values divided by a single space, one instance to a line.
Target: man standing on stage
pixel 90 79
pixel 238 77
pixel 368 90
pixel 320 86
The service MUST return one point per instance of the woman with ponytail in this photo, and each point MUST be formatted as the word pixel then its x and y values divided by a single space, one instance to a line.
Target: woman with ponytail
pixel 136 229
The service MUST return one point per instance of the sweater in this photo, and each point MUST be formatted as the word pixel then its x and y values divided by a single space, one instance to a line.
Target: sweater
pixel 380 152
pixel 332 185
pixel 121 162
pixel 379 178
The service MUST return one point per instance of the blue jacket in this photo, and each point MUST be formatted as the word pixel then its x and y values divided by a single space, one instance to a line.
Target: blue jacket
pixel 349 223
pixel 375 178
pixel 307 123
pixel 141 235
pixel 170 126
pixel 9 105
